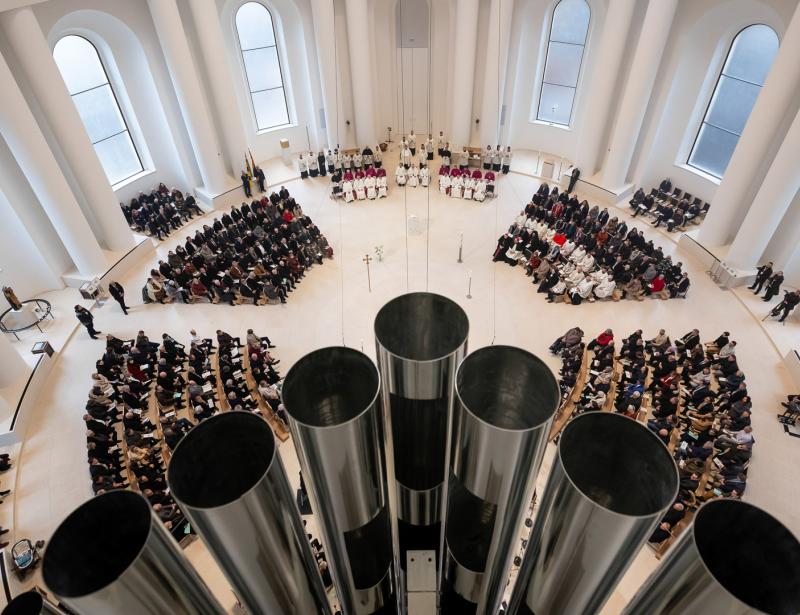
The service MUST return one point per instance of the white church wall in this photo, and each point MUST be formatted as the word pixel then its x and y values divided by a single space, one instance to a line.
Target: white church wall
pixel 702 34
pixel 782 248
pixel 22 264
pixel 127 41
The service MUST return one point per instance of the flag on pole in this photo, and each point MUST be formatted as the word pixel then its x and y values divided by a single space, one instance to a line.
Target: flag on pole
pixel 249 170
pixel 252 159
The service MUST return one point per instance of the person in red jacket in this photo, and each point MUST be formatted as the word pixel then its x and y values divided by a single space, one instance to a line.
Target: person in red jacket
pixel 656 286
pixel 604 339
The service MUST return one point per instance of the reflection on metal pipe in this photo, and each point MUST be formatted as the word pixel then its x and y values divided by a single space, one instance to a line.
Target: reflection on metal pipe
pixel 113 556
pixel 229 480
pixel 420 338
pixel 31 603
pixel 612 480
pixel 506 401
pixel 734 559
pixel 332 397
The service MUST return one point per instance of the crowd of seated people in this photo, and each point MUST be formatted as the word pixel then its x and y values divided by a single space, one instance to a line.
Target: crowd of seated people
pixel 692 396
pixel 577 253
pixel 675 209
pixel 255 253
pixel 160 212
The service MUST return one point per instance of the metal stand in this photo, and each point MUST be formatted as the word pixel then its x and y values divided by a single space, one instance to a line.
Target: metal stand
pixel 460 248
pixel 368 259
pixel 469 286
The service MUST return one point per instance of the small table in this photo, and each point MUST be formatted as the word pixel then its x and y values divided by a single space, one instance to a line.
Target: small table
pixel 33 312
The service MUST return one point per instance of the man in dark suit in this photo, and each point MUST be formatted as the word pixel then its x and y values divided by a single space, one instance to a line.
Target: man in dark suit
pixel 87 320
pixel 762 275
pixel 774 285
pixel 116 291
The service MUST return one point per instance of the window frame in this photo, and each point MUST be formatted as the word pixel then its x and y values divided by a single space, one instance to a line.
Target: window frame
pixel 282 86
pixel 704 115
pixel 127 129
pixel 542 82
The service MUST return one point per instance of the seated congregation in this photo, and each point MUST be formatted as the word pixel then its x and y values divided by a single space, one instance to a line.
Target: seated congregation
pixel 256 253
pixel 159 213
pixel 575 252
pixel 692 396
pixel 147 395
pixel 676 209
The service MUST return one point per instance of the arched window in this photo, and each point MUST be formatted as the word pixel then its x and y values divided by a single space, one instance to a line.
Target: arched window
pixel 746 67
pixel 87 82
pixel 565 46
pixel 262 65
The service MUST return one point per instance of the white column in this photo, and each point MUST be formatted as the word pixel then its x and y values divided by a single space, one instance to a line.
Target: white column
pixel 29 148
pixel 612 44
pixel 191 96
pixel 466 35
pixel 34 55
pixel 361 71
pixel 494 78
pixel 212 46
pixel 772 201
pixel 729 204
pixel 325 40
pixel 13 364
pixel 636 97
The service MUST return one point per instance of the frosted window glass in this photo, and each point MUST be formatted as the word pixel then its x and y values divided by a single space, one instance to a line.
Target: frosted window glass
pixel 562 67
pixel 99 112
pixel 262 65
pixel 270 108
pixel 732 103
pixel 563 64
pixel 254 24
pixel 79 64
pixel 262 68
pixel 570 22
pixel 713 150
pixel 752 54
pixel 86 79
pixel 555 104
pixel 749 60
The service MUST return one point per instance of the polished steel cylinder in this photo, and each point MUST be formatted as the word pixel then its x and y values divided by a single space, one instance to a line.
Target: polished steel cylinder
pixel 734 559
pixel 611 482
pixel 332 398
pixel 420 338
pixel 228 478
pixel 31 603
pixel 112 556
pixel 506 400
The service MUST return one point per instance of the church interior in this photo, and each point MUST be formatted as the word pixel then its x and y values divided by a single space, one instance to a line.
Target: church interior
pixel 417 307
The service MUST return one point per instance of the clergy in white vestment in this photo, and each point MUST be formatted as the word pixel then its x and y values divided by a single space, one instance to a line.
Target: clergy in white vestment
pixel 457 187
pixel 441 141
pixel 506 160
pixel 371 184
pixel 444 184
pixel 469 187
pixel 347 191
pixel 400 175
pixel 405 155
pixel 605 289
pixel 358 160
pixel 413 176
pixel 412 143
pixel 497 158
pixel 487 158
pixel 429 148
pixel 347 162
pixel 377 157
pixel 303 166
pixel 587 263
pixel 382 189
pixel 424 177
pixel 464 160
pixel 361 191
pixel 480 191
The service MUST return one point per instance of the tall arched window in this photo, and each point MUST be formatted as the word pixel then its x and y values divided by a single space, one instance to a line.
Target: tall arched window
pixel 262 65
pixel 746 67
pixel 87 82
pixel 565 46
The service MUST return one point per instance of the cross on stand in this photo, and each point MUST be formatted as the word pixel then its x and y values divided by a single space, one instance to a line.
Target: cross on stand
pixel 368 259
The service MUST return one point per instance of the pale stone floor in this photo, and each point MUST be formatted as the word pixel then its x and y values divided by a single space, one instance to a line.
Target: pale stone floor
pixel 333 306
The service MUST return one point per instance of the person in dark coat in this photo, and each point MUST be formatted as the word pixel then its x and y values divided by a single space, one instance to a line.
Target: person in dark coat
pixel 260 178
pixel 246 184
pixel 774 285
pixel 118 292
pixel 87 320
pixel 762 275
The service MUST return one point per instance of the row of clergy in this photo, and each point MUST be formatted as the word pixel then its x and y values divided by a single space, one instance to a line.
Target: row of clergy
pixel 492 159
pixel 314 165
pixel 465 186
pixel 361 187
pixel 412 176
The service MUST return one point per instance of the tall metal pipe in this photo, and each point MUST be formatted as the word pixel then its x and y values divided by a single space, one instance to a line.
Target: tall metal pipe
pixel 228 478
pixel 31 603
pixel 112 556
pixel 420 339
pixel 734 559
pixel 332 398
pixel 506 400
pixel 611 482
